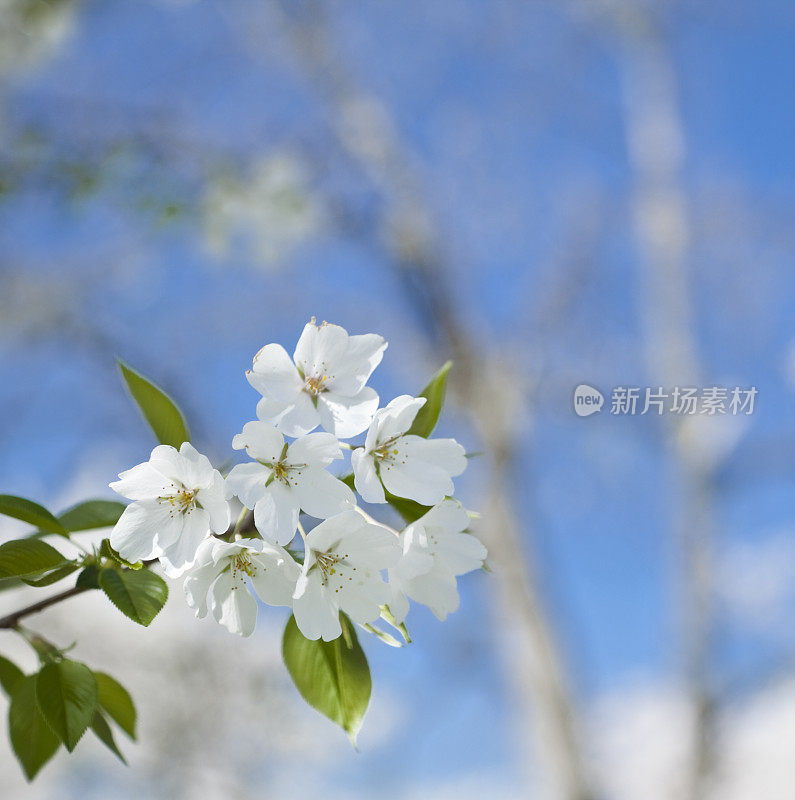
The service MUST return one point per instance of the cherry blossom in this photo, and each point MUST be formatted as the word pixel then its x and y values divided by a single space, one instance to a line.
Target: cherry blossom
pixel 285 479
pixel 434 551
pixel 218 578
pixel 343 557
pixel 178 499
pixel 324 384
pixel 406 465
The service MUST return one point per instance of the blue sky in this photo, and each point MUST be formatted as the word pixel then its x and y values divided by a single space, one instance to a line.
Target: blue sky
pixel 513 113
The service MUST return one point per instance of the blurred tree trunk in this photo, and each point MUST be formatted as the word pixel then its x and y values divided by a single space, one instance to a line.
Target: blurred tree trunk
pixel 656 146
pixel 532 660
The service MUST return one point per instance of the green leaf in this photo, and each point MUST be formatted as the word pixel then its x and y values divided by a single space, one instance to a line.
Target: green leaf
pixel 28 511
pixel 107 551
pixel 92 514
pixel 138 594
pixel 88 578
pixel 10 675
pixel 426 418
pixel 103 732
pixel 158 409
pixel 53 577
pixel 22 558
pixel 116 702
pixel 33 742
pixel 408 509
pixel 66 693
pixel 332 677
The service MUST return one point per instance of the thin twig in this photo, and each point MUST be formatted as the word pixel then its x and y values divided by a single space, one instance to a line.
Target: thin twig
pixel 11 620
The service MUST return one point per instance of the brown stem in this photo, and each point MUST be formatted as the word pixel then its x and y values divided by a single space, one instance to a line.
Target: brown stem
pixel 12 620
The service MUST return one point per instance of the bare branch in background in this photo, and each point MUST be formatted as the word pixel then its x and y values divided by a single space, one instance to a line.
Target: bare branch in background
pixel 656 144
pixel 367 133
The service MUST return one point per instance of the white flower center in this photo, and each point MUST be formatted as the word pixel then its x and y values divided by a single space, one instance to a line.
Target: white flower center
pixel 388 452
pixel 183 501
pixel 282 472
pixel 315 384
pixel 330 564
pixel 242 563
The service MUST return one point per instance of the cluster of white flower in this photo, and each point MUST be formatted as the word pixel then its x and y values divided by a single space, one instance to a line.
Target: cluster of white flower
pixel 180 512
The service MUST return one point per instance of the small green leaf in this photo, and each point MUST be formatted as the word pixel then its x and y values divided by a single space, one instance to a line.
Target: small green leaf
pixel 33 742
pixel 332 677
pixel 103 732
pixel 138 594
pixel 66 694
pixel 22 558
pixel 53 577
pixel 47 652
pixel 158 409
pixel 116 702
pixel 434 392
pixel 107 551
pixel 408 509
pixel 92 514
pixel 10 675
pixel 28 511
pixel 88 578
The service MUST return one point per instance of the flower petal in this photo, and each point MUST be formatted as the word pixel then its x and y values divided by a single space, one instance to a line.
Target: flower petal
pixel 329 532
pixel 177 557
pixel 292 419
pixel 320 494
pixel 371 546
pixel 365 477
pixel 316 615
pixel 196 468
pixel 261 440
pixel 168 461
pixel 347 416
pixel 276 515
pixel 361 357
pixel 436 590
pixel 247 481
pixel 197 584
pixel 143 482
pixel 213 501
pixel 393 420
pixel 314 450
pixel 134 536
pixel 275 575
pixel 232 605
pixel 274 375
pixel 320 348
pixel 457 553
pixel 362 602
pixel 447 454
pixel 421 469
pixel 449 515
pixel 398 602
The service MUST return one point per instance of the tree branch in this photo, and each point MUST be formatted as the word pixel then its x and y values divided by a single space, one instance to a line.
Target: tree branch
pixel 12 620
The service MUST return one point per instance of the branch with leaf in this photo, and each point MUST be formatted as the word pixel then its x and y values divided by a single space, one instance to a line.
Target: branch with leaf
pixel 347 573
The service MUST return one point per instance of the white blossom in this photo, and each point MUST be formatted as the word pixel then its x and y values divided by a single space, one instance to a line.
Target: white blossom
pixel 218 579
pixel 434 551
pixel 342 562
pixel 407 465
pixel 324 384
pixel 178 499
pixel 286 479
